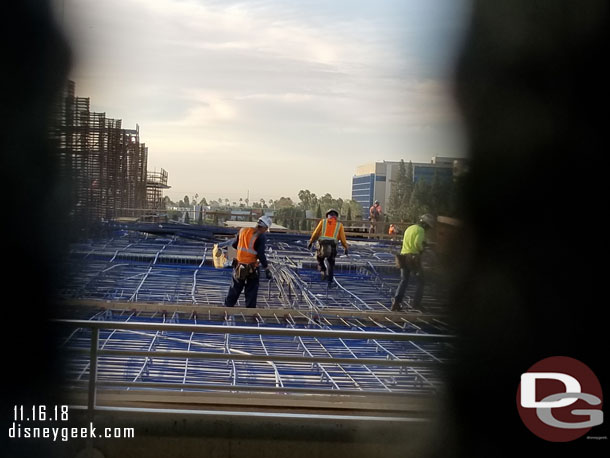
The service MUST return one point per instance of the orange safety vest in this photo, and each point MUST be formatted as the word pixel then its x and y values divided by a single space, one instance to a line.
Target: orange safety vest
pixel 392 229
pixel 330 229
pixel 246 254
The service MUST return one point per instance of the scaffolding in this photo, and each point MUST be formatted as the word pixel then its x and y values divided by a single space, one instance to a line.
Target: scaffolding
pixel 156 183
pixel 104 164
pixel 157 303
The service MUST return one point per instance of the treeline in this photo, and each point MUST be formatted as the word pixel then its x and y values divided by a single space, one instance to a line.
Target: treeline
pixel 286 212
pixel 294 217
pixel 409 199
pixel 225 203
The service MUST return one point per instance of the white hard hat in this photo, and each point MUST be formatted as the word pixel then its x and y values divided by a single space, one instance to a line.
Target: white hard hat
pixel 264 221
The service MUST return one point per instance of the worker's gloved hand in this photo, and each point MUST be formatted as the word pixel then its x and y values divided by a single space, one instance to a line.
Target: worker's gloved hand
pixel 309 245
pixel 268 274
pixel 346 253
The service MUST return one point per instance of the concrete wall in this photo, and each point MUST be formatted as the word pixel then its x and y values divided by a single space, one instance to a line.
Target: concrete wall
pixel 171 435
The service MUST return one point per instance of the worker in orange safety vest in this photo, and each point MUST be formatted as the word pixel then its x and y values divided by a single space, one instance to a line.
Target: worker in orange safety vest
pixel 393 231
pixel 250 245
pixel 327 233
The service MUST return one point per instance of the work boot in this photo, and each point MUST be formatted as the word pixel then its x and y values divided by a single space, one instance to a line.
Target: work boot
pixel 322 275
pixel 421 308
pixel 395 306
pixel 413 306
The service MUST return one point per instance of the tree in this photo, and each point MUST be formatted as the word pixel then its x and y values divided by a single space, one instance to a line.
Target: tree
pixel 437 195
pixel 401 193
pixel 455 202
pixel 308 200
pixel 289 217
pixel 327 201
pixel 167 202
pixel 319 212
pixel 352 209
pixel 186 201
pixel 284 202
pixel 420 202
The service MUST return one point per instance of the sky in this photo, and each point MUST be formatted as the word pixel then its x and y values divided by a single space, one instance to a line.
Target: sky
pixel 273 96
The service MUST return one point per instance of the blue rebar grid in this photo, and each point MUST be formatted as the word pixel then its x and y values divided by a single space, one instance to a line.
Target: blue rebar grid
pixel 172 270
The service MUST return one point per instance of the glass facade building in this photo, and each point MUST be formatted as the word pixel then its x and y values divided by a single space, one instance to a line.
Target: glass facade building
pixel 374 181
pixel 363 190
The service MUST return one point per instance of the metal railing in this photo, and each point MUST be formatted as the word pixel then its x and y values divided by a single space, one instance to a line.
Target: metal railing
pixel 95 352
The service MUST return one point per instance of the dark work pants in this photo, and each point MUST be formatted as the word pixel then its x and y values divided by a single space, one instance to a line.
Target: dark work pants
pixel 331 266
pixel 405 273
pixel 251 284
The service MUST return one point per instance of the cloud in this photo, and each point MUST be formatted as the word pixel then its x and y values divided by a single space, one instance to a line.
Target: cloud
pixel 278 85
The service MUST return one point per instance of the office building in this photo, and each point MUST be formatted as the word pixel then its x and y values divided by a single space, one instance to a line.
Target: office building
pixel 374 181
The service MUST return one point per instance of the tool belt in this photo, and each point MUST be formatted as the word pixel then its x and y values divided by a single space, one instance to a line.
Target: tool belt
pixel 242 271
pixel 409 261
pixel 327 248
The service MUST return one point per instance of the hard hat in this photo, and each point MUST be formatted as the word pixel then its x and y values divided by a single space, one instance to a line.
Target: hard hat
pixel 427 219
pixel 264 221
pixel 332 210
pixel 376 202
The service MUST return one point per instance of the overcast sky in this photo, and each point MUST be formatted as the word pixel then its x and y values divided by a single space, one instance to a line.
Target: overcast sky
pixel 271 96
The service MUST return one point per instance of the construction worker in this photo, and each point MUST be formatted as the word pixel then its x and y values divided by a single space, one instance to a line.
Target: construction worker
pixel 250 246
pixel 409 261
pixel 374 216
pixel 327 232
pixel 393 231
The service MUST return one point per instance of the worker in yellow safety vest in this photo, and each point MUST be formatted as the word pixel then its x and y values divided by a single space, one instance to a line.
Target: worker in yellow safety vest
pixel 327 232
pixel 250 246
pixel 409 261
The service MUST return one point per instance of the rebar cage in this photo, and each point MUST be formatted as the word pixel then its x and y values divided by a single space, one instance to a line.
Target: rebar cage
pixel 163 333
